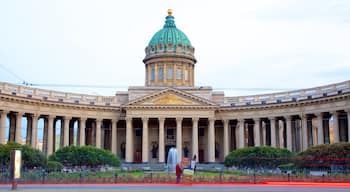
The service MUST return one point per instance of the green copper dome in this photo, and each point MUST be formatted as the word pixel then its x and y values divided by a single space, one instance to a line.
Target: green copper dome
pixel 169 34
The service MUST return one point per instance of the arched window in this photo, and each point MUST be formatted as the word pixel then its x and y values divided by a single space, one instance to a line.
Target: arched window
pixel 153 74
pixel 178 74
pixel 170 73
pixel 161 73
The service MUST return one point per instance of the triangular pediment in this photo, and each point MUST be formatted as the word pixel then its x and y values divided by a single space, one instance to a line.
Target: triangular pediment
pixel 171 97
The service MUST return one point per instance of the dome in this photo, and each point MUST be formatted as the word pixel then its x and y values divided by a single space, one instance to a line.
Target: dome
pixel 169 34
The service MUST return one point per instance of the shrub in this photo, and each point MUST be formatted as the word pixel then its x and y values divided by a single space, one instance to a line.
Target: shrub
pixel 84 156
pixel 268 157
pixel 325 156
pixel 30 157
pixel 53 166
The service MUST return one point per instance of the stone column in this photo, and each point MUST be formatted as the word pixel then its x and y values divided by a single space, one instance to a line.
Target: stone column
pixel 82 131
pixel 320 136
pixel 129 140
pixel 335 126
pixel 179 138
pixel 34 136
pixel 348 114
pixel 66 130
pixel 289 132
pixel 50 135
pixel 98 132
pixel 226 142
pixel 240 123
pixel 195 138
pixel 280 127
pixel 273 131
pixel 211 141
pixel 114 136
pixel 256 132
pixel 18 133
pixel 161 147
pixel 145 140
pixel 304 132
pixel 263 133
pixel 3 126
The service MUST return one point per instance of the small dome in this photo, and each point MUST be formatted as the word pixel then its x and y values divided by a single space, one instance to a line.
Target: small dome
pixel 169 34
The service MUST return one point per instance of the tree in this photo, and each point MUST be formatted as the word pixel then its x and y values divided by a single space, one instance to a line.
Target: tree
pixel 84 156
pixel 268 157
pixel 30 157
pixel 325 156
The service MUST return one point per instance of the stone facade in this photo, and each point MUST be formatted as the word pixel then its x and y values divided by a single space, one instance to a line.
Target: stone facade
pixel 140 125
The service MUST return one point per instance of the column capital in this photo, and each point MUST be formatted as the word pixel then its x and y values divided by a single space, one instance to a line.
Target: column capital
pixel 272 118
pixel 347 110
pixel 211 119
pixel 5 112
pixel 83 118
pixel 20 113
pixel 99 119
pixel 318 114
pixel 128 118
pixel 144 119
pixel 161 119
pixel 195 119
pixel 67 118
pixel 288 117
pixel 114 121
pixel 225 121
pixel 179 119
pixel 51 117
pixel 256 119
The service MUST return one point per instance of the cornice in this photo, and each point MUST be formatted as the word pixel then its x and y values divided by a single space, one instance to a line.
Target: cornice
pixel 33 101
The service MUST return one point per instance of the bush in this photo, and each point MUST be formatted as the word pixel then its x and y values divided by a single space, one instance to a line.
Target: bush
pixel 84 156
pixel 267 157
pixel 325 156
pixel 53 166
pixel 30 157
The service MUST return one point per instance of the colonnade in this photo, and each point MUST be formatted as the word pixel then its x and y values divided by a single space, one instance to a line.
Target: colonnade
pixel 209 138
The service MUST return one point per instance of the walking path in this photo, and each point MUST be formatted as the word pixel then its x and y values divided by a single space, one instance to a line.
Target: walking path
pixel 271 186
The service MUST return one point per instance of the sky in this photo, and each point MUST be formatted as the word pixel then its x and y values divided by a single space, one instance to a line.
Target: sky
pixel 242 46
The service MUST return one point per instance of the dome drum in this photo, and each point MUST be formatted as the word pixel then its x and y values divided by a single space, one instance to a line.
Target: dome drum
pixel 169 59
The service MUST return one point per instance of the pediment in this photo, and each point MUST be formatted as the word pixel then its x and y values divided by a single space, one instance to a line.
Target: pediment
pixel 171 97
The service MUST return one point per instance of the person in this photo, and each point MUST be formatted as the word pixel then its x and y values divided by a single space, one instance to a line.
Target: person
pixel 193 162
pixel 178 172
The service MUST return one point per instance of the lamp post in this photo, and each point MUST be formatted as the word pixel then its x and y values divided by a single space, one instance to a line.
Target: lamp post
pixel 15 168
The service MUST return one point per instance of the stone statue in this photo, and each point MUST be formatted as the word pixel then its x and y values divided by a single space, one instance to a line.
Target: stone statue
pixel 154 150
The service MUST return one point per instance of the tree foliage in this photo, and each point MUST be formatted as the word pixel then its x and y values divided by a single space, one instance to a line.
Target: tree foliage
pixel 325 156
pixel 84 156
pixel 268 157
pixel 30 157
pixel 53 166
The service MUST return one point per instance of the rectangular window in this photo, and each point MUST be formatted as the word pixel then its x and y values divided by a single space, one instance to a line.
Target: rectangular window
pixel 153 74
pixel 170 73
pixel 186 75
pixel 161 73
pixel 178 74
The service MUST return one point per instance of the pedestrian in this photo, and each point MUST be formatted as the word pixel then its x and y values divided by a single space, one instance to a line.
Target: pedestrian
pixel 193 163
pixel 178 172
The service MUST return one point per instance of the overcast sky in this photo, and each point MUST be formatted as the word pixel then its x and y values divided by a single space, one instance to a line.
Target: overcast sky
pixel 283 44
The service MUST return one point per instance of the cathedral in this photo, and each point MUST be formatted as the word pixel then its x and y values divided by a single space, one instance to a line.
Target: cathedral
pixel 141 124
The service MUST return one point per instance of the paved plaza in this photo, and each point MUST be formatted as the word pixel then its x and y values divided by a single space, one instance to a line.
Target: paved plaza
pixel 310 187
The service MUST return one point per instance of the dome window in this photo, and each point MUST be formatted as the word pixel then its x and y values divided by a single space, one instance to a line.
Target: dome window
pixel 170 73
pixel 178 74
pixel 161 74
pixel 153 74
